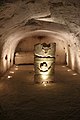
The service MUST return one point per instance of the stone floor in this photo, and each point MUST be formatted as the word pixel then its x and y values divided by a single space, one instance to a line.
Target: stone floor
pixel 21 99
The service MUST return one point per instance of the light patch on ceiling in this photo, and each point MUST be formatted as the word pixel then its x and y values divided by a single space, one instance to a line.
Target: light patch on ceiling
pixel 74 74
pixel 69 70
pixel 45 19
pixel 12 72
pixel 16 68
pixel 41 15
pixel 9 77
pixel 52 19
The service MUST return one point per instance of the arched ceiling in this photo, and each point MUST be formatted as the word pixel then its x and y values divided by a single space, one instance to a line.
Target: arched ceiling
pixel 22 13
pixel 22 18
pixel 14 13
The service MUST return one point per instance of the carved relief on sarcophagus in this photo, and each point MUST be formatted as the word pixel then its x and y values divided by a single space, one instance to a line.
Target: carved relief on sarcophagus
pixel 44 62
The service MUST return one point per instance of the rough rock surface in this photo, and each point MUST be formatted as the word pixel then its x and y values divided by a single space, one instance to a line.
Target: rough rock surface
pixel 21 16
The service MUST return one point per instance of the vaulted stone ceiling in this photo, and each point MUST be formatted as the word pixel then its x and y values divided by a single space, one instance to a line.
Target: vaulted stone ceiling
pixel 65 12
pixel 21 18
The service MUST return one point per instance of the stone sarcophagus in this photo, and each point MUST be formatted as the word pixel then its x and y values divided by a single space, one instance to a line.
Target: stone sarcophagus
pixel 44 62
